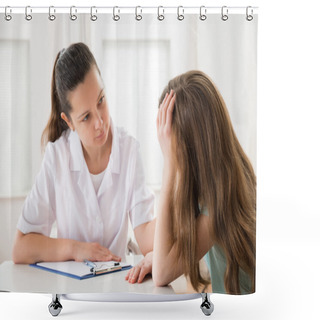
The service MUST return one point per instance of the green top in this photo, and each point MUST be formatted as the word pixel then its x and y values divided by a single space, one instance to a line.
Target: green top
pixel 216 262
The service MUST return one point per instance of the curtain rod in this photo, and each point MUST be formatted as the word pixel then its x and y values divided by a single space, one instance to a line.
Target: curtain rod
pixel 138 11
pixel 123 9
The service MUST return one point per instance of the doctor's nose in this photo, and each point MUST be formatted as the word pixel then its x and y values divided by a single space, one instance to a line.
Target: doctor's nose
pixel 98 122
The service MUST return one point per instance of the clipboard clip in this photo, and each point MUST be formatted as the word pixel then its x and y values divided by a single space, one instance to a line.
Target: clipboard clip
pixel 92 266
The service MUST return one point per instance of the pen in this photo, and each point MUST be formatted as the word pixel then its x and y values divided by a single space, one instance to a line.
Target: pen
pixel 90 264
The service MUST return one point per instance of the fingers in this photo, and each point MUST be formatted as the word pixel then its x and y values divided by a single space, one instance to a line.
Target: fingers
pixel 111 257
pixel 170 110
pixel 116 258
pixel 160 112
pixel 166 108
pixel 137 274
pixel 133 274
pixel 128 274
pixel 104 254
pixel 93 251
pixel 143 272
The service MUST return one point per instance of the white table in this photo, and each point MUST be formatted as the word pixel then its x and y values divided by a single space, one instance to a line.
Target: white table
pixel 109 287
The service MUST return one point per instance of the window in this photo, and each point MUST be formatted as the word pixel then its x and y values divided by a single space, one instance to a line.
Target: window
pixel 14 118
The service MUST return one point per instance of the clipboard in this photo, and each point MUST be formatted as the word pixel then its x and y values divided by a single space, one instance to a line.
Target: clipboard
pixel 79 270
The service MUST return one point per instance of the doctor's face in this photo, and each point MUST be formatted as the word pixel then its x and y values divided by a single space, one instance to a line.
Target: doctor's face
pixel 90 115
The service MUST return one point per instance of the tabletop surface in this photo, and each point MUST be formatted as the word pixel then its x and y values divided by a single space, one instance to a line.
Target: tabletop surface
pixel 23 278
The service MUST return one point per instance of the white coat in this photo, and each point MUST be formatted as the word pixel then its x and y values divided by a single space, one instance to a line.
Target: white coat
pixel 64 192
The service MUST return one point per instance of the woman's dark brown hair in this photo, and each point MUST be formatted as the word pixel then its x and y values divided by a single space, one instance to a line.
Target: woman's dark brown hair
pixel 214 173
pixel 70 68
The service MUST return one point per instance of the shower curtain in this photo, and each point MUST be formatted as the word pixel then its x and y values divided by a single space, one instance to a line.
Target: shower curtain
pixel 138 50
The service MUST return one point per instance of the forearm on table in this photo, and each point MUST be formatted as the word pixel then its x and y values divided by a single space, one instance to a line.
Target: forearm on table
pixel 166 269
pixel 34 247
pixel 165 265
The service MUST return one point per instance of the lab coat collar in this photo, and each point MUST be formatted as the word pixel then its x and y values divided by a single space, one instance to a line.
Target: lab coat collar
pixel 76 154
pixel 114 160
pixel 77 161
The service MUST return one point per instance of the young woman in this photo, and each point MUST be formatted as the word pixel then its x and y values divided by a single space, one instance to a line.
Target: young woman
pixel 208 194
pixel 91 180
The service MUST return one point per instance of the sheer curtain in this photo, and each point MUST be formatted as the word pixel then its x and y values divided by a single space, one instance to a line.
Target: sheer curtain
pixel 136 59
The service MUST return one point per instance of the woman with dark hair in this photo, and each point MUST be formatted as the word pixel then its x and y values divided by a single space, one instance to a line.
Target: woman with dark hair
pixel 91 181
pixel 207 204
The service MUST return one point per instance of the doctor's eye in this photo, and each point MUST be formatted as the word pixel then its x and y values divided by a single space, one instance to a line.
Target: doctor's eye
pixel 101 100
pixel 86 117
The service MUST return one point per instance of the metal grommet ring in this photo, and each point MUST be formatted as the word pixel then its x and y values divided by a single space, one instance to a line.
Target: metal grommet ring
pixel 73 16
pixel 138 16
pixel 249 17
pixel 160 16
pixel 180 16
pixel 52 17
pixel 93 17
pixel 7 16
pixel 28 16
pixel 203 13
pixel 116 17
pixel 224 13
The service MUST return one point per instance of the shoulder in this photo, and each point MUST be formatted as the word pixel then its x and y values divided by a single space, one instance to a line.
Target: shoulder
pixel 60 143
pixel 57 150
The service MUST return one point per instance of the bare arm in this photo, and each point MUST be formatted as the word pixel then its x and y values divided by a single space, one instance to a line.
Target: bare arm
pixel 144 235
pixel 35 247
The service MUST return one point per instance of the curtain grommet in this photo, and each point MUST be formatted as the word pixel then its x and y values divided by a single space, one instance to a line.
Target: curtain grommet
pixel 28 16
pixel 249 17
pixel 160 16
pixel 73 16
pixel 7 16
pixel 180 15
pixel 203 13
pixel 224 13
pixel 93 17
pixel 138 16
pixel 51 16
pixel 116 17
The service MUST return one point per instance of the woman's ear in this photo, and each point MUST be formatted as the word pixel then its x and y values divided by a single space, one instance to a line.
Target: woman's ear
pixel 65 118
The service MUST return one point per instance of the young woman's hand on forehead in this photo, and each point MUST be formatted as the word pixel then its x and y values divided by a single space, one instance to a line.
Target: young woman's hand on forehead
pixel 164 121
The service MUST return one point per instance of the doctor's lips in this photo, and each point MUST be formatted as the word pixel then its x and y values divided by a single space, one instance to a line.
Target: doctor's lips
pixel 101 135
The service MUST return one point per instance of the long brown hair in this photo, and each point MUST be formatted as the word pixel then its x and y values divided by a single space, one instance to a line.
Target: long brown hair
pixel 213 172
pixel 70 68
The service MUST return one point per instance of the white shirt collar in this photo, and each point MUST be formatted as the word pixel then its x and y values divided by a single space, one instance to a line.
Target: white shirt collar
pixel 77 161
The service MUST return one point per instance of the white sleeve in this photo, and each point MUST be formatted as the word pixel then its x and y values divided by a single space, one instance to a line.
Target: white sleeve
pixel 38 213
pixel 142 200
